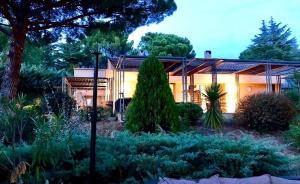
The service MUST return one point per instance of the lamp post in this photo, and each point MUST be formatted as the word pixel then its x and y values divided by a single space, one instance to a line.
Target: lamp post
pixel 97 53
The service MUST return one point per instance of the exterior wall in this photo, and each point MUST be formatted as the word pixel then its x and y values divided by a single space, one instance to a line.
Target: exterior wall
pixel 85 97
pixel 248 85
pixel 130 84
pixel 247 89
pixel 228 85
pixel 255 79
pixel 89 72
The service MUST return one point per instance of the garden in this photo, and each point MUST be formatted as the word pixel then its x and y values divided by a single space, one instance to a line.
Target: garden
pixel 46 140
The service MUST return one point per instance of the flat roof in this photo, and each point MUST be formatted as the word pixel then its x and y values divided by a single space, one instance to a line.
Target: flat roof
pixel 173 65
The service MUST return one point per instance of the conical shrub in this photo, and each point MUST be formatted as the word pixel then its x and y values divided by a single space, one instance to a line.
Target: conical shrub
pixel 152 108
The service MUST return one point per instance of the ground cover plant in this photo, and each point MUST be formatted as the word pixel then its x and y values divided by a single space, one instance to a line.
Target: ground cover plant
pixel 136 158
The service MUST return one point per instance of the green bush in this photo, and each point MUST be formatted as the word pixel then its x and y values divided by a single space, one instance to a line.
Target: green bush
pixel 153 106
pixel 189 113
pixel 37 80
pixel 60 103
pixel 17 119
pixel 132 158
pixel 102 113
pixel 265 112
pixel 294 96
pixel 292 135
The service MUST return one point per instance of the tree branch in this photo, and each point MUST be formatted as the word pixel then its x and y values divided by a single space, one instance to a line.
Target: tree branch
pixel 5 31
pixel 5 12
pixel 49 6
pixel 66 21
pixel 6 25
pixel 51 26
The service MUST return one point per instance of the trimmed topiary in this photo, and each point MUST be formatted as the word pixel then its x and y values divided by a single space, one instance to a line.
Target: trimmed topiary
pixel 265 112
pixel 152 107
pixel 189 113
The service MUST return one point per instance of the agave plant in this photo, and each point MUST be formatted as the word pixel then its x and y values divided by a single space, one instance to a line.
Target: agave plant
pixel 213 116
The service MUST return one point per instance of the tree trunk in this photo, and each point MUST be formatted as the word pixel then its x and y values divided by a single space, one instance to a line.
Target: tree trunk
pixel 11 75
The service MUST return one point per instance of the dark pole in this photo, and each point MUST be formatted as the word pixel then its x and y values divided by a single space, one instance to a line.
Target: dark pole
pixel 94 122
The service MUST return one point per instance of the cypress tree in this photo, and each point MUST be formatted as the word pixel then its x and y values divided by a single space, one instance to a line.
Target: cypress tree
pixel 153 106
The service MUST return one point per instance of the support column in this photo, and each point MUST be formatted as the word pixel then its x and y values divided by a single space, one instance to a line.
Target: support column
pixel 237 83
pixel 278 84
pixel 191 88
pixel 214 78
pixel 122 90
pixel 268 71
pixel 184 81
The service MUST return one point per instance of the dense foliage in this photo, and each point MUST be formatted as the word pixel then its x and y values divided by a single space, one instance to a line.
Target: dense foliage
pixel 153 106
pixel 274 42
pixel 18 118
pixel 60 103
pixel 189 113
pixel 292 135
pixel 59 157
pixel 265 112
pixel 22 20
pixel 213 116
pixel 78 53
pixel 36 80
pixel 166 45
pixel 294 96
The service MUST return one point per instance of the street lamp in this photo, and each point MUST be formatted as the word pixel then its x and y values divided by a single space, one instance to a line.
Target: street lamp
pixel 97 53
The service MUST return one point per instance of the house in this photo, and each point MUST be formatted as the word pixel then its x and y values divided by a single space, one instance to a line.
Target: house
pixel 188 79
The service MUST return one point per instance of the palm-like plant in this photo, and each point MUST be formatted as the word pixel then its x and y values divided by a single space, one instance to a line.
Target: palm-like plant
pixel 213 116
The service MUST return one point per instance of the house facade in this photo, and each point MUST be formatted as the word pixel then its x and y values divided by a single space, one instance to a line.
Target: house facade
pixel 187 78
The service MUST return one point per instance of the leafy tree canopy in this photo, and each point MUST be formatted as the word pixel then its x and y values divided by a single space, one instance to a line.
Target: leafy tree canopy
pixel 24 19
pixel 166 45
pixel 274 42
pixel 78 52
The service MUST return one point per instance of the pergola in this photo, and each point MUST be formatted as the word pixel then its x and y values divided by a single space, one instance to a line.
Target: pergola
pixel 181 66
pixel 71 84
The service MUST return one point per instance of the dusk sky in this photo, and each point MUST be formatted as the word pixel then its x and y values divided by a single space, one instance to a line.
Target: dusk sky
pixel 225 27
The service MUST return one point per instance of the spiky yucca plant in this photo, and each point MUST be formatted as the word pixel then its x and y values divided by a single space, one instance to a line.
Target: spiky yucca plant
pixel 213 116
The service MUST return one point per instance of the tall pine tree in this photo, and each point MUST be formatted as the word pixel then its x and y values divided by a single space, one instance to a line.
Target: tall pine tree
pixel 274 42
pixel 153 106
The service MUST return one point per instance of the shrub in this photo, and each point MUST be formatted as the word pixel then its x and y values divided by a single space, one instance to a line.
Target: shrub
pixel 128 157
pixel 152 107
pixel 292 136
pixel 17 119
pixel 213 117
pixel 265 112
pixel 189 113
pixel 60 103
pixel 37 80
pixel 102 113
pixel 294 96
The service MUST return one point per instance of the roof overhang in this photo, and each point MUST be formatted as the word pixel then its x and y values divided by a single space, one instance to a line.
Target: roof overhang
pixel 84 82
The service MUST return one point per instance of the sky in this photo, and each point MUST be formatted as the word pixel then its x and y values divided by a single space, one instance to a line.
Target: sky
pixel 225 27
